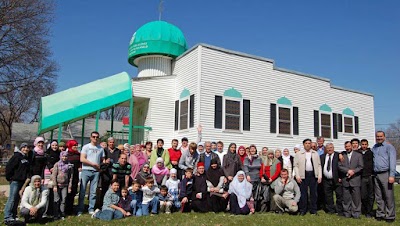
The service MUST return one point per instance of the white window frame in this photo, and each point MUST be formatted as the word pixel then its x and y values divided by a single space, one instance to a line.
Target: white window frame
pixel 225 98
pixel 331 123
pixel 188 113
pixel 277 120
pixel 344 124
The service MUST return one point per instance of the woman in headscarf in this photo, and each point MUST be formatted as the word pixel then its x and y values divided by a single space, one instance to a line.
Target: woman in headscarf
pixel 252 166
pixel 126 150
pixel 231 163
pixel 287 162
pixel 215 181
pixel 240 192
pixel 62 177
pixel 144 173
pixel 74 159
pixel 139 155
pixel 38 159
pixel 297 148
pixel 269 172
pixel 160 172
pixel 242 153
pixel 135 167
pixel 34 199
pixel 52 154
pixel 264 154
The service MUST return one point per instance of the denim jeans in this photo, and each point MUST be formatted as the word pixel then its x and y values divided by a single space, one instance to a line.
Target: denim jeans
pixel 10 211
pixel 153 204
pixel 93 177
pixel 108 215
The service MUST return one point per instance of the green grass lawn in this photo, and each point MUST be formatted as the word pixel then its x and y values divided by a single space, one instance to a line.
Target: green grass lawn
pixel 225 219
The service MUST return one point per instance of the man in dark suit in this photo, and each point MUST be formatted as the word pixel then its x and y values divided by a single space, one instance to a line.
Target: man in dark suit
pixel 351 167
pixel 367 188
pixel 331 180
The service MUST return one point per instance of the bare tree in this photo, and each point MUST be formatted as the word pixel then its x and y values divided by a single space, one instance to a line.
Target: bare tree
pixel 393 135
pixel 119 112
pixel 27 71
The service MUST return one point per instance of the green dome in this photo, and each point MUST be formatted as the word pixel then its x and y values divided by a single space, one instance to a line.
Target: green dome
pixel 157 37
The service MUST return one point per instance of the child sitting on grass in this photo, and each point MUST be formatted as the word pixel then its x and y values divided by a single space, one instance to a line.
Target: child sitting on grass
pixel 150 199
pixel 110 209
pixel 173 188
pixel 186 189
pixel 125 201
pixel 137 198
pixel 165 200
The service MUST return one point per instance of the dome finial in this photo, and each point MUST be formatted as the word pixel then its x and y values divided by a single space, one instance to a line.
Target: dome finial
pixel 160 9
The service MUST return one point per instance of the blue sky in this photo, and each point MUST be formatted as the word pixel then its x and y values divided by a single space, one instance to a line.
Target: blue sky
pixel 354 43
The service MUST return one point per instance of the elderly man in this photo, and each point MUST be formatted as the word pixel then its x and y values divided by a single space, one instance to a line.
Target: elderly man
pixel 331 180
pixel 385 170
pixel 207 156
pixel 34 200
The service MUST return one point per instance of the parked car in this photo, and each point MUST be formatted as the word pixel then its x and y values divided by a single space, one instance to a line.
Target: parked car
pixel 397 177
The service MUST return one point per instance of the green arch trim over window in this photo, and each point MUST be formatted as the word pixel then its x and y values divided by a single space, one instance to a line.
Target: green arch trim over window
pixel 285 101
pixel 325 107
pixel 348 111
pixel 232 93
pixel 185 93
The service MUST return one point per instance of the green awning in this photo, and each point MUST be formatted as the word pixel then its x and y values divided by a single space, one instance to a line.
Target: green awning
pixel 79 102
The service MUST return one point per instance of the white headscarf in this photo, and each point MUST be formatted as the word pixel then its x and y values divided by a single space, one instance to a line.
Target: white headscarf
pixel 286 159
pixel 242 189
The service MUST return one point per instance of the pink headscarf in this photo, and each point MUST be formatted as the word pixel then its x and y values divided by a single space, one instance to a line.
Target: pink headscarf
pixel 139 155
pixel 135 166
pixel 39 151
pixel 160 171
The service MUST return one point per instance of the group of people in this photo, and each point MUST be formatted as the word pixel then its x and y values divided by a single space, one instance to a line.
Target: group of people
pixel 135 180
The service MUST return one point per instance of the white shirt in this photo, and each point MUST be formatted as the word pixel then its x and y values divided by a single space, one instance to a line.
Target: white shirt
pixel 221 156
pixel 328 174
pixel 309 166
pixel 349 155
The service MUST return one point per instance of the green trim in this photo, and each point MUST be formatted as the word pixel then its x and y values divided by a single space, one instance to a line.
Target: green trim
pixel 325 107
pixel 185 93
pixel 59 132
pixel 232 92
pixel 284 101
pixel 348 111
pixel 130 121
pixel 143 127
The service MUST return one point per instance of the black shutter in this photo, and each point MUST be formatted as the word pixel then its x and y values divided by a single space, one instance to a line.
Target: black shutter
pixel 246 115
pixel 316 123
pixel 218 112
pixel 295 121
pixel 356 124
pixel 335 125
pixel 272 121
pixel 340 123
pixel 191 122
pixel 176 114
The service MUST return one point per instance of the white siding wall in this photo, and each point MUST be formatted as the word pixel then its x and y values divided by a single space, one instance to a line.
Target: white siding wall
pixel 262 85
pixel 186 69
pixel 161 91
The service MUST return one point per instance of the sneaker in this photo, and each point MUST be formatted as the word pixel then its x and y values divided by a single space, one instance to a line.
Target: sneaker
pixel 94 213
pixel 91 212
pixel 44 215
pixel 62 218
pixel 168 212
pixel 79 214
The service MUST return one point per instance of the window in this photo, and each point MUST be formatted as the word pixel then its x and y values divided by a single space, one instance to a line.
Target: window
pixel 231 111
pixel 348 124
pixel 232 115
pixel 284 120
pixel 183 115
pixel 326 126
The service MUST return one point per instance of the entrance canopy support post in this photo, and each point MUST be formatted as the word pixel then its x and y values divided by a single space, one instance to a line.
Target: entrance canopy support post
pixel 97 120
pixel 59 132
pixel 112 121
pixel 83 132
pixel 130 121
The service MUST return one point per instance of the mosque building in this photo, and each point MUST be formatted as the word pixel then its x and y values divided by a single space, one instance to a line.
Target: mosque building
pixel 235 97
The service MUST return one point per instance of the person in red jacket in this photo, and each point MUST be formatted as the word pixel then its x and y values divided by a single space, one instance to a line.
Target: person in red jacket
pixel 269 172
pixel 174 156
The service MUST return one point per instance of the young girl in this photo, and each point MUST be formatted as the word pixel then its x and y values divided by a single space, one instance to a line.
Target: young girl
pixel 125 201
pixel 160 172
pixel 173 188
pixel 62 184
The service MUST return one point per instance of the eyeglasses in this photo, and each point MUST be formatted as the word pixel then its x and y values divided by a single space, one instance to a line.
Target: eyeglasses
pixel 95 137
